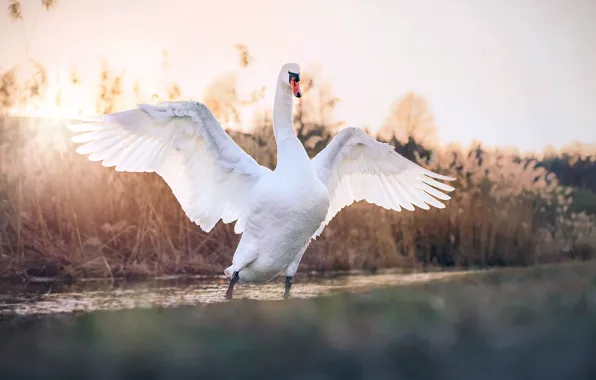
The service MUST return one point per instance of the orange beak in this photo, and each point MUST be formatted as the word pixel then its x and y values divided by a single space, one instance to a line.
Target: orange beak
pixel 295 88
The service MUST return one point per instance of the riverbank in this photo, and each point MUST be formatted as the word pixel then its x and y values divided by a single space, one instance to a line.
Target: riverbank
pixel 531 323
pixel 27 301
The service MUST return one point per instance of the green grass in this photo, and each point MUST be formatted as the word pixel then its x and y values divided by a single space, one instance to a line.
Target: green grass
pixel 533 323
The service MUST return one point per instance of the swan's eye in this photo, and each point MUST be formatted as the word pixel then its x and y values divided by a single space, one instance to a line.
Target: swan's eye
pixel 295 76
pixel 295 84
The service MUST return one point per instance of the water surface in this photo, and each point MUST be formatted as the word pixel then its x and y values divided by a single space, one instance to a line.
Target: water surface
pixel 51 298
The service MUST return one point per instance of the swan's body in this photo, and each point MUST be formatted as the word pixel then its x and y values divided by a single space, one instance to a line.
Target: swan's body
pixel 286 208
pixel 278 212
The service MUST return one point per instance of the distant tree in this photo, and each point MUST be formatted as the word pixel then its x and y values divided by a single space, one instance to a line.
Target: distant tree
pixel 549 151
pixel 410 127
pixel 573 170
pixel 410 118
pixel 314 120
pixel 580 150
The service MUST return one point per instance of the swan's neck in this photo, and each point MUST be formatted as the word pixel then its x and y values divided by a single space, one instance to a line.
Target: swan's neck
pixel 282 113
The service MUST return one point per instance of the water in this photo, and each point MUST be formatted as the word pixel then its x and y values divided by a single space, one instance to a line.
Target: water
pixel 533 323
pixel 39 299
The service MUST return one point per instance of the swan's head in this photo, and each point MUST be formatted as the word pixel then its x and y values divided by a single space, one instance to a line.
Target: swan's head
pixel 290 75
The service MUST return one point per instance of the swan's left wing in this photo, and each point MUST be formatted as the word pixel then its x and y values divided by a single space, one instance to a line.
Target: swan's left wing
pixel 355 166
pixel 209 174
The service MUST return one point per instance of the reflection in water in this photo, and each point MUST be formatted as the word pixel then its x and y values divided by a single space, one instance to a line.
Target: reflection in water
pixel 60 298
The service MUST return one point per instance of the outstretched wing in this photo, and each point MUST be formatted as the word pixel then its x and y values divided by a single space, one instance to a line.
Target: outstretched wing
pixel 355 166
pixel 209 174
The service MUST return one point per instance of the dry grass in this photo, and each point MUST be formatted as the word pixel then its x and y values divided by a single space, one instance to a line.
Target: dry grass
pixel 61 214
pixel 64 214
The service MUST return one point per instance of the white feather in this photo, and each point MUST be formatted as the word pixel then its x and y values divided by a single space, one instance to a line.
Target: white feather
pixel 209 174
pixel 214 179
pixel 355 166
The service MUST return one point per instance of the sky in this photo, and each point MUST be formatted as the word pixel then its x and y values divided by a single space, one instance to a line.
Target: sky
pixel 514 73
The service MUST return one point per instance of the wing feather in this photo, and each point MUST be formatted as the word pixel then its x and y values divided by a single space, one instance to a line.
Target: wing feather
pixel 208 173
pixel 355 167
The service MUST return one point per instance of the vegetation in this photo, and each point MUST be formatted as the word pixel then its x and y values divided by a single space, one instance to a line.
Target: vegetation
pixel 61 214
pixel 532 323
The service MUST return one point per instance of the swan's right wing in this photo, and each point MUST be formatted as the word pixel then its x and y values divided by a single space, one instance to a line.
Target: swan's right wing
pixel 209 174
pixel 355 166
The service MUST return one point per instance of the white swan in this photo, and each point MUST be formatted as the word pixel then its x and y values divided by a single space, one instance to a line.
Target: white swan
pixel 278 211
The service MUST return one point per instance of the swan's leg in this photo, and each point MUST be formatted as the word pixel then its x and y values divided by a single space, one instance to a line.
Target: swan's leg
pixel 245 254
pixel 233 282
pixel 291 271
pixel 288 286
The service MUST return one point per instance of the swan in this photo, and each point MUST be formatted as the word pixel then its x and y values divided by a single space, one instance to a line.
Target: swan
pixel 278 212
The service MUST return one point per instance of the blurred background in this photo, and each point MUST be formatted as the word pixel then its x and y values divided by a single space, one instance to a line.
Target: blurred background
pixel 498 95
